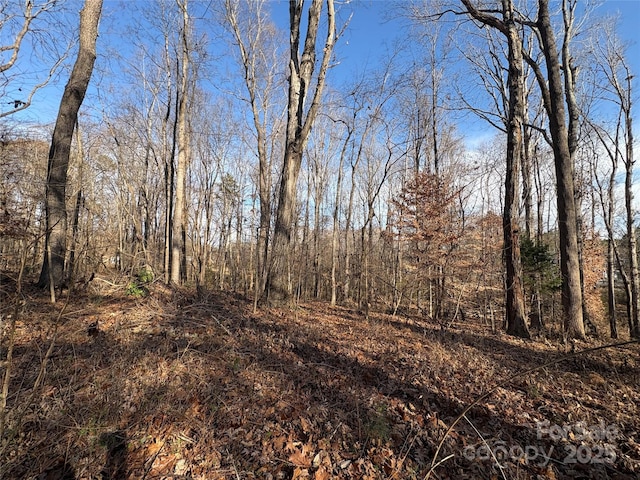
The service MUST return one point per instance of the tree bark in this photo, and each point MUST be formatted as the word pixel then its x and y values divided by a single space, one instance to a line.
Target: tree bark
pixel 168 155
pixel 611 290
pixel 55 202
pixel 611 251
pixel 526 166
pixel 563 160
pixel 516 324
pixel 299 123
pixel 514 306
pixel 318 196
pixel 570 73
pixel 178 236
pixel 628 195
pixel 71 273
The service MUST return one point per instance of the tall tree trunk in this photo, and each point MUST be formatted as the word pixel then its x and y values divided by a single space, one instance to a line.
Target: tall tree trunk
pixel 76 211
pixel 611 289
pixel 74 92
pixel 611 251
pixel 570 74
pixel 178 237
pixel 527 197
pixel 631 230
pixel 514 306
pixel 335 243
pixel 316 234
pixel 305 272
pixel 366 250
pixel 515 309
pixel 434 112
pixel 168 155
pixel 264 226
pixel 348 241
pixel 299 123
pixel 168 214
pixel 567 211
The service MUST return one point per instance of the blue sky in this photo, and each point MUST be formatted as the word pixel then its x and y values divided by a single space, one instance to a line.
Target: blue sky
pixel 371 32
pixel 373 28
pixel 629 11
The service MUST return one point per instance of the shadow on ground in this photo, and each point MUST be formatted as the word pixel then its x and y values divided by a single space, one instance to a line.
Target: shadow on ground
pixel 198 387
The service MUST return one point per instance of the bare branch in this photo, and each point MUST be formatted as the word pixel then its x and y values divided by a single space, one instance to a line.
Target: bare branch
pixel 30 14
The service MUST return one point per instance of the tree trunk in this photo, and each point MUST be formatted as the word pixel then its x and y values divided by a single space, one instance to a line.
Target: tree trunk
pixel 514 306
pixel 169 165
pixel 527 197
pixel 570 73
pixel 629 162
pixel 515 310
pixel 75 222
pixel 611 250
pixel 567 213
pixel 299 123
pixel 611 289
pixel 279 288
pixel 348 233
pixel 319 194
pixel 265 223
pixel 631 231
pixel 335 244
pixel 74 92
pixel 178 236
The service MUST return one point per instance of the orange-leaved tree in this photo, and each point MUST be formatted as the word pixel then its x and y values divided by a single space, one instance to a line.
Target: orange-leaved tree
pixel 427 217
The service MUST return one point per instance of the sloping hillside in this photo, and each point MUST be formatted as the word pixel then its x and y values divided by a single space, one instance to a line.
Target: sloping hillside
pixel 175 385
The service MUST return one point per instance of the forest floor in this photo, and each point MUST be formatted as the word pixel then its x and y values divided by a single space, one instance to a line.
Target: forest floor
pixel 179 386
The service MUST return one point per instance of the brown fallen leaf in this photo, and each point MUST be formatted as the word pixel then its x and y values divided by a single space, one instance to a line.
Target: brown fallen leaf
pixel 306 425
pixel 302 458
pixel 300 473
pixel 322 474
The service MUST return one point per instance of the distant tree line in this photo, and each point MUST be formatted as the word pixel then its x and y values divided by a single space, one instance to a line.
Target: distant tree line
pixel 266 175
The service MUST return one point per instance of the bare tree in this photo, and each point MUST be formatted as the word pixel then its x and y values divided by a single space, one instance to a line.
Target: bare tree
pixel 256 40
pixel 52 273
pixel 617 88
pixel 16 25
pixel 299 122
pixel 381 155
pixel 515 311
pixel 623 90
pixel 558 93
pixel 335 233
pixel 605 190
pixel 319 153
pixel 212 145
pixel 555 93
pixel 178 236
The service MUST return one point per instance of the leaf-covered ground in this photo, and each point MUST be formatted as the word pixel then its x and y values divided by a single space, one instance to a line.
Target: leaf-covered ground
pixel 179 386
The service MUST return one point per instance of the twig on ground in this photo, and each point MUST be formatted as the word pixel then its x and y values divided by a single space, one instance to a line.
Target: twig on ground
pixel 511 378
pixel 36 384
pixel 500 467
pixel 152 460
pixel 222 326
